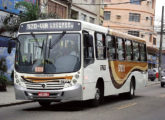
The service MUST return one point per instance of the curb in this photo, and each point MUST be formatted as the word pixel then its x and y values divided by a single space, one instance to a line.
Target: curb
pixel 15 103
pixel 152 83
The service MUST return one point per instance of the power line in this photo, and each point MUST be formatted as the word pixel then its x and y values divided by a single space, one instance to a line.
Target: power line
pixel 109 3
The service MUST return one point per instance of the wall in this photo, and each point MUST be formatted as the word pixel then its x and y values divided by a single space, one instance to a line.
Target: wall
pixel 146 24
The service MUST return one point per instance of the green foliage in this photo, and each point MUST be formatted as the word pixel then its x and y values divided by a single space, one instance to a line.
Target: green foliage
pixel 3 79
pixel 12 22
pixel 3 66
pixel 31 11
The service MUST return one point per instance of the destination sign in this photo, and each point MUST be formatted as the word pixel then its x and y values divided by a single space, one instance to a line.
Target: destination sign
pixel 50 26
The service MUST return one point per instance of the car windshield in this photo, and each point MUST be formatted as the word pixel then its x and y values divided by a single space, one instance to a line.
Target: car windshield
pixel 48 53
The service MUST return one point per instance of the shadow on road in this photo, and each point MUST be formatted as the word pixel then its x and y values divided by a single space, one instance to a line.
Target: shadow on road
pixel 78 106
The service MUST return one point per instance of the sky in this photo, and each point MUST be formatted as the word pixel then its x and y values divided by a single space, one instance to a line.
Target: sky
pixel 158 10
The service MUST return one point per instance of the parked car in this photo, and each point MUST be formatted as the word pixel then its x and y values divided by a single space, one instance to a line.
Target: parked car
pixel 163 73
pixel 162 81
pixel 152 74
pixel 163 78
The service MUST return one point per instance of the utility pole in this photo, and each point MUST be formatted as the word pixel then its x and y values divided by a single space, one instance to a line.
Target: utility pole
pixel 69 8
pixel 161 40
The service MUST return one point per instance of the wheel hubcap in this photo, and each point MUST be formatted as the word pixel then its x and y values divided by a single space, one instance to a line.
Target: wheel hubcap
pixel 97 96
pixel 132 90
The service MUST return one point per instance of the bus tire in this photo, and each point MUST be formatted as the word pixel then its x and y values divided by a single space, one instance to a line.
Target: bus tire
pixel 131 93
pixel 162 84
pixel 99 95
pixel 44 103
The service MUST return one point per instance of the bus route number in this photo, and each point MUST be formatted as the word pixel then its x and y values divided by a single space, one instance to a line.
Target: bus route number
pixel 121 68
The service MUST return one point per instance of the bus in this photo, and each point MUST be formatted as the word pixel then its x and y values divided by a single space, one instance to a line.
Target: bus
pixel 61 60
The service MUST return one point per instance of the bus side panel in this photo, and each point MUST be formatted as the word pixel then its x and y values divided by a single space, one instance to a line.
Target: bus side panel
pixel 141 79
pixel 98 70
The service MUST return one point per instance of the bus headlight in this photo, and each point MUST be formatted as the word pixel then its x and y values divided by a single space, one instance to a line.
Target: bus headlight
pixel 74 81
pixel 67 85
pixel 77 76
pixel 19 81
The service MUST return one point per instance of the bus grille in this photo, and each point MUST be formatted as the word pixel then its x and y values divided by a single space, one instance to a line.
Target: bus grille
pixel 45 86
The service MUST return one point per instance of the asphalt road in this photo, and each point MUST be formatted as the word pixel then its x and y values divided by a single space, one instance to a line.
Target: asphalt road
pixel 149 104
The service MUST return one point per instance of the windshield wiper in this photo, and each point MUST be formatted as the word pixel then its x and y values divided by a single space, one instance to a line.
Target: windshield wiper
pixel 57 40
pixel 35 40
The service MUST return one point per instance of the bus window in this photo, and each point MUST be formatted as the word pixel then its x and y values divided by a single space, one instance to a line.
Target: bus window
pixel 129 55
pixel 111 47
pixel 136 55
pixel 88 49
pixel 120 49
pixel 143 52
pixel 100 46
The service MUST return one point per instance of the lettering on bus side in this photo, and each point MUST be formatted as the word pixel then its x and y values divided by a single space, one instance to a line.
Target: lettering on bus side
pixel 102 67
pixel 121 68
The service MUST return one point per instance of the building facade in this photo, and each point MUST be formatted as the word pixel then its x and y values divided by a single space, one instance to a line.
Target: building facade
pixel 55 8
pixel 134 17
pixel 88 10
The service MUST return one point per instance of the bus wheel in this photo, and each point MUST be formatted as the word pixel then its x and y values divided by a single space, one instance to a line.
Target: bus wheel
pixel 131 93
pixel 44 103
pixel 98 96
pixel 162 84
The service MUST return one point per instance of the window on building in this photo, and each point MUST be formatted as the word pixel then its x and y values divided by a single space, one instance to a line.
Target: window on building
pixel 92 20
pixel 129 54
pixel 57 10
pixel 150 39
pixel 134 17
pixel 93 1
pixel 83 17
pixel 111 47
pixel 120 49
pixel 107 15
pixel 151 20
pixel 134 33
pixel 138 2
pixel 154 41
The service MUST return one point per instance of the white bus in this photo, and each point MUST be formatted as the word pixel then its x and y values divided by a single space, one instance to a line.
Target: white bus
pixel 69 60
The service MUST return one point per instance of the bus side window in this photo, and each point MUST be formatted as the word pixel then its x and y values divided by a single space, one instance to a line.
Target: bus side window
pixel 88 49
pixel 129 54
pixel 120 49
pixel 136 55
pixel 143 52
pixel 100 46
pixel 111 52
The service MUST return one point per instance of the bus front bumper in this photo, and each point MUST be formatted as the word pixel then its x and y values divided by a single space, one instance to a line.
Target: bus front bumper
pixel 67 94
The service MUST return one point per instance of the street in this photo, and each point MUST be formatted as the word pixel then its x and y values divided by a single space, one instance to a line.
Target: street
pixel 149 104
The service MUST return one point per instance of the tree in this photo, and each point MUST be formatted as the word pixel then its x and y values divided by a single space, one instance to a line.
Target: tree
pixel 3 79
pixel 11 22
pixel 31 12
pixel 3 66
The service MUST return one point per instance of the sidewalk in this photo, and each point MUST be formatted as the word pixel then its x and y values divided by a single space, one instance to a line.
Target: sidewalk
pixel 8 98
pixel 149 82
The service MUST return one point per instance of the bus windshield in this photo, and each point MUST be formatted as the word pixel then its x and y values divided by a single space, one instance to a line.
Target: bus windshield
pixel 48 53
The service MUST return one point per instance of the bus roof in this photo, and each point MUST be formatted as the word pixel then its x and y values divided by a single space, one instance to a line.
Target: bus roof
pixel 125 35
pixel 94 27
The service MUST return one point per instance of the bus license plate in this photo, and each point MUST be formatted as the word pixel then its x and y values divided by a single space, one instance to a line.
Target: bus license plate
pixel 43 94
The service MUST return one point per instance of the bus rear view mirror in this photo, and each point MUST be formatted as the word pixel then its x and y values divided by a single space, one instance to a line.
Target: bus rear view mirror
pixel 9 46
